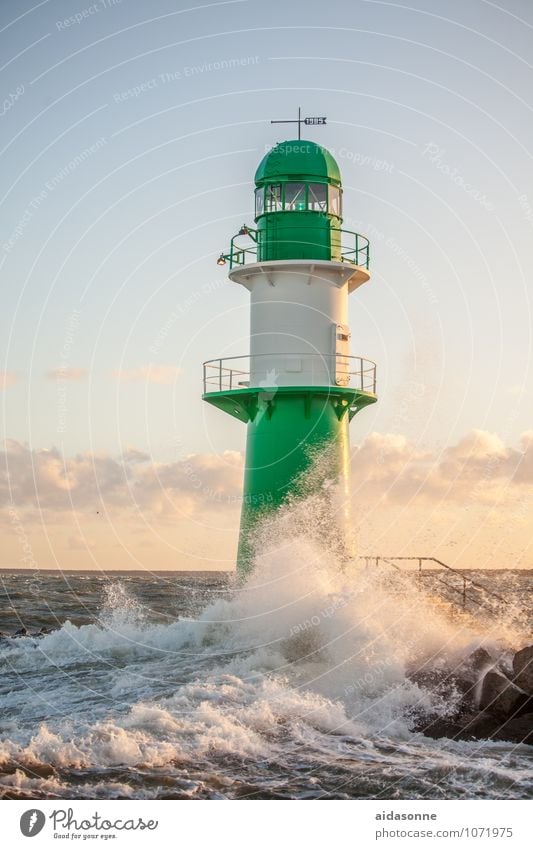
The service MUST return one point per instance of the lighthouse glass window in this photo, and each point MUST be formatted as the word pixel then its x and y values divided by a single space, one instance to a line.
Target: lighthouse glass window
pixel 259 201
pixel 334 200
pixel 295 196
pixel 273 198
pixel 318 197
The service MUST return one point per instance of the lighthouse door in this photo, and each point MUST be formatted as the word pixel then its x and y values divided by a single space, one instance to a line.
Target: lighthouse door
pixel 342 354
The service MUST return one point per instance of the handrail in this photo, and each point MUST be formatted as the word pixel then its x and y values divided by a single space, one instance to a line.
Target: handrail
pixel 238 255
pixel 219 375
pixel 464 578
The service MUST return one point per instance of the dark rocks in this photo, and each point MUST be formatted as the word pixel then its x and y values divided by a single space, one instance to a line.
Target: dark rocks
pixel 523 669
pixel 505 708
pixel 479 660
pixel 487 727
pixel 458 682
pixel 480 726
pixel 439 727
pixel 500 697
pixel 518 730
pixel 23 632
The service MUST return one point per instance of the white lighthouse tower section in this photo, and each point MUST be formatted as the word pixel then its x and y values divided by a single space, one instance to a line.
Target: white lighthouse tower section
pixel 299 333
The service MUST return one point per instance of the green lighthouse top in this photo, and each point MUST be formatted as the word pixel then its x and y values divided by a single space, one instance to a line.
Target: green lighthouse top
pixel 298 203
pixel 298 159
pixel 298 210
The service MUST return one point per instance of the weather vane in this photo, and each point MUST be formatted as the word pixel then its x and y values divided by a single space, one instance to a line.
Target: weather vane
pixel 308 121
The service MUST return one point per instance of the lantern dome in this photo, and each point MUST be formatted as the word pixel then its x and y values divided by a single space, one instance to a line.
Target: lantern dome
pixel 298 159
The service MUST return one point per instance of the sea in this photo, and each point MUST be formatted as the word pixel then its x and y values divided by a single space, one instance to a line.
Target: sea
pixel 293 684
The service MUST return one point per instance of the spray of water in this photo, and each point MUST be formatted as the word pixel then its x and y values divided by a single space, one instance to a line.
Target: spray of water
pixel 308 650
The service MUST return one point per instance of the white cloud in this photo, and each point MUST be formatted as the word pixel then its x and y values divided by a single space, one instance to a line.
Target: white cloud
pixel 478 468
pixel 133 455
pixel 469 502
pixel 45 479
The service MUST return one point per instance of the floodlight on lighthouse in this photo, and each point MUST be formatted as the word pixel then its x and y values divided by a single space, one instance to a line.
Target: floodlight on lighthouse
pixel 221 260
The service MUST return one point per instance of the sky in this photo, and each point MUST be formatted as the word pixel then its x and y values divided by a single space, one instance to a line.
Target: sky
pixel 130 133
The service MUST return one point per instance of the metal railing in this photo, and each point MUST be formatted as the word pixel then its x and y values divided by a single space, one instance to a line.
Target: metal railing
pixel 423 570
pixel 359 252
pixel 229 373
pixel 354 248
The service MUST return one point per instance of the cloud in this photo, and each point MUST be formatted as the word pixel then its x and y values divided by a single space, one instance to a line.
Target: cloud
pixel 74 374
pixel 524 470
pixel 469 503
pixel 477 468
pixel 160 374
pixel 387 468
pixel 133 455
pixel 45 480
pixel 8 378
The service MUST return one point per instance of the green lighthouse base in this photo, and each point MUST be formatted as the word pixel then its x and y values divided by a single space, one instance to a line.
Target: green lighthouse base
pixel 288 427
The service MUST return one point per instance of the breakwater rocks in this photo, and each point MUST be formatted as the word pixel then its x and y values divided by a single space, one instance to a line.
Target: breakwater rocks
pixel 487 698
pixel 23 632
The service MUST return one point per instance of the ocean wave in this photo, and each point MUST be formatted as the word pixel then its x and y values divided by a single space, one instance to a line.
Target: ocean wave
pixel 305 669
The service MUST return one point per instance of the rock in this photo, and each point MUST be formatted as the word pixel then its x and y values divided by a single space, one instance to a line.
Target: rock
pixel 467 692
pixel 505 712
pixel 439 727
pixel 523 669
pixel 22 632
pixel 479 726
pixel 500 697
pixel 479 660
pixel 458 685
pixel 428 678
pixel 483 726
pixel 517 730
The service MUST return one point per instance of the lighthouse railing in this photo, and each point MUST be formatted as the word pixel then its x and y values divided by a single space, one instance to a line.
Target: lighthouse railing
pixel 359 253
pixel 264 370
pixel 354 247
pixel 432 570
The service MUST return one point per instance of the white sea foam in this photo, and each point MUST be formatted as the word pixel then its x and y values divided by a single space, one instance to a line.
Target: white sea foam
pixel 304 657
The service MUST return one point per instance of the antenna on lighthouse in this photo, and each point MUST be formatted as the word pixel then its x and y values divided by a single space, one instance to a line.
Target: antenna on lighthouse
pixel 311 121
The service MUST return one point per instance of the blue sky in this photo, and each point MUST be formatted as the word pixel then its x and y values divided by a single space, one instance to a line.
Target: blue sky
pixel 130 136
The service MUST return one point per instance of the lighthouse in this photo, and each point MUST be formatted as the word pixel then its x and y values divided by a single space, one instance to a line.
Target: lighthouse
pixel 299 386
